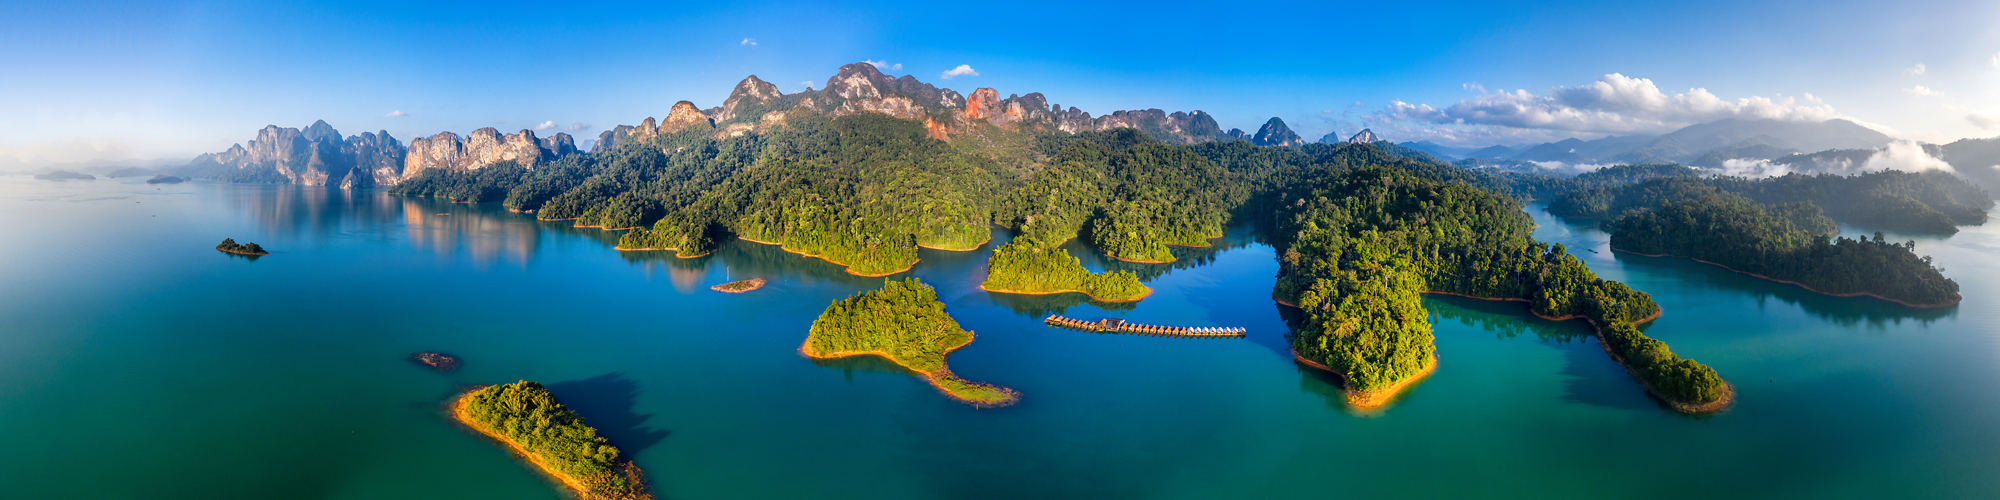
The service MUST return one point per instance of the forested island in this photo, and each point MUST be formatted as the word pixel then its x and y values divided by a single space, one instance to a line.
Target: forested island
pixel 905 322
pixel 229 245
pixel 1786 243
pixel 1028 266
pixel 529 420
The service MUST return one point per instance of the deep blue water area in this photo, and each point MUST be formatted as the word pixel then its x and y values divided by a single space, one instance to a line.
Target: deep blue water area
pixel 138 362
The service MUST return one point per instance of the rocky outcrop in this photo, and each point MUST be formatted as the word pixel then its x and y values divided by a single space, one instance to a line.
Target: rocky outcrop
pixel 481 148
pixel 1275 133
pixel 560 145
pixel 313 156
pixel 1366 136
pixel 683 115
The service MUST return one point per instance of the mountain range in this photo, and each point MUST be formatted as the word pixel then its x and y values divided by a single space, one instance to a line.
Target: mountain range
pixel 318 155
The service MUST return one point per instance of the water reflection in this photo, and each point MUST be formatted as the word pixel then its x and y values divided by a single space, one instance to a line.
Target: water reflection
pixel 1504 319
pixel 1041 306
pixel 1845 311
pixel 314 215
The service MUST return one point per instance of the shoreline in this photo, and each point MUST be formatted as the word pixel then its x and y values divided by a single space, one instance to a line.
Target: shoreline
pixel 668 249
pixel 459 414
pixel 806 350
pixel 1379 398
pixel 849 268
pixel 1122 259
pixel 1957 298
pixel 246 254
pixel 1149 293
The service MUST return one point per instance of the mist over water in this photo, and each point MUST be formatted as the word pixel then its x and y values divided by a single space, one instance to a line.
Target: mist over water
pixel 138 362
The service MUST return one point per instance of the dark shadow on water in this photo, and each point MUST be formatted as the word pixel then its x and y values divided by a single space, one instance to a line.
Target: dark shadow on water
pixel 863 364
pixel 1040 306
pixel 233 256
pixel 1845 311
pixel 607 402
pixel 1282 344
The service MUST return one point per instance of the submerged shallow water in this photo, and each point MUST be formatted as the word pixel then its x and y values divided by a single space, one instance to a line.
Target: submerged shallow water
pixel 138 362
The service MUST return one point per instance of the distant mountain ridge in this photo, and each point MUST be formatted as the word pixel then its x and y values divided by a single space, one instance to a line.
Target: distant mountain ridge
pixel 1711 142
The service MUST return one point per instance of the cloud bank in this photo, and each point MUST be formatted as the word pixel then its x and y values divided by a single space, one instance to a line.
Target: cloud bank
pixel 396 113
pixel 1907 156
pixel 1614 104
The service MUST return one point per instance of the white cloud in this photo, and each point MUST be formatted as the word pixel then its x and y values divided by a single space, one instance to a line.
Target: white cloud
pixel 396 113
pixel 808 84
pixel 577 127
pixel 546 125
pixel 1907 156
pixel 749 42
pixel 1915 70
pixel 1614 104
pixel 961 70
pixel 1986 121
pixel 1921 91
pixel 1996 60
pixel 884 65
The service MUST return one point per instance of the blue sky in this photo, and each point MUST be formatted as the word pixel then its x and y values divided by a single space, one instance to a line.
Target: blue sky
pixel 162 79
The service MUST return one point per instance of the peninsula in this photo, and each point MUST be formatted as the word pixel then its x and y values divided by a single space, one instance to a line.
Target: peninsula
pixel 905 322
pixel 529 420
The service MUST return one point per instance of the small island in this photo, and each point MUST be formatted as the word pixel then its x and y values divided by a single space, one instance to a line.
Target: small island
pixel 229 245
pixel 528 419
pixel 439 361
pixel 165 179
pixel 906 323
pixel 1027 266
pixel 65 175
pixel 740 286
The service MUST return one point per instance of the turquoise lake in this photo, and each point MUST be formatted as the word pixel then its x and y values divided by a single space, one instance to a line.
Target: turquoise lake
pixel 138 362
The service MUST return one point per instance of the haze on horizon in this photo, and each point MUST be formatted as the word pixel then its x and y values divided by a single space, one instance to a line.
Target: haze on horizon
pixel 109 81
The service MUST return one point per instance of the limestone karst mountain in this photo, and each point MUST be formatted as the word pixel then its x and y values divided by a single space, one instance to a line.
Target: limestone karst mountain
pixel 1275 133
pixel 483 147
pixel 757 105
pixel 314 156
pixel 1365 136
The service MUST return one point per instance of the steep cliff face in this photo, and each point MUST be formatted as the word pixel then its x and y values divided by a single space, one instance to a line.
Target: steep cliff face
pixel 483 147
pixel 313 156
pixel 1366 136
pixel 1275 133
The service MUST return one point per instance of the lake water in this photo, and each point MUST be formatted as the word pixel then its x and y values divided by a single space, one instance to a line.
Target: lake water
pixel 138 362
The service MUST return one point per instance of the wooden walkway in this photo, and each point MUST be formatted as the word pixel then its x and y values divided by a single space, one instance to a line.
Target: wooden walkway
pixel 1122 326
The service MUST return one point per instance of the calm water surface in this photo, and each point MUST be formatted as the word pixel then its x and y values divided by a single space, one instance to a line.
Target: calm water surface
pixel 138 362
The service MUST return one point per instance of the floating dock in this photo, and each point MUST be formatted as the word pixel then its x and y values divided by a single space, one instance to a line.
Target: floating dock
pixel 1122 326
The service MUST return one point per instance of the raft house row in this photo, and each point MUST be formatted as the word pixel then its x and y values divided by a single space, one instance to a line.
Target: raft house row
pixel 1122 326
